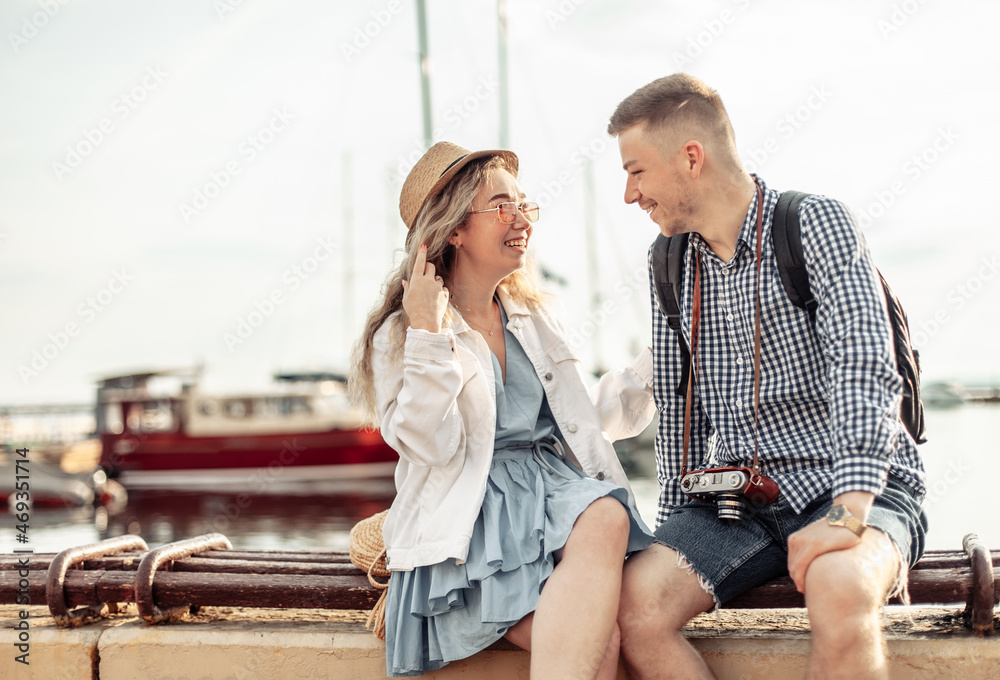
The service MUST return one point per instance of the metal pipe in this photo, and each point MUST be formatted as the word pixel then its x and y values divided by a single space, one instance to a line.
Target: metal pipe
pixel 56 577
pixel 154 559
pixel 982 595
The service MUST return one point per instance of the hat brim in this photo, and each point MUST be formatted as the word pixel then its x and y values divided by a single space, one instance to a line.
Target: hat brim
pixel 453 169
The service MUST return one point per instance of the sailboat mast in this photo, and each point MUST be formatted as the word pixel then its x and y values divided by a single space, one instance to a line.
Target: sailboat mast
pixel 347 206
pixel 593 260
pixel 502 73
pixel 425 72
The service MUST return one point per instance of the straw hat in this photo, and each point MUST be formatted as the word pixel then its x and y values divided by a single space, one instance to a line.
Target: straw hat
pixel 434 170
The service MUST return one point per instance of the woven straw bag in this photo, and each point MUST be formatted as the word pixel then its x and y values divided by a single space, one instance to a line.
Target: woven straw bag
pixel 367 551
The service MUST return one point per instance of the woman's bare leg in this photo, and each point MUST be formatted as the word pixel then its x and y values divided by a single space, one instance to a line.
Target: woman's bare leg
pixel 520 635
pixel 572 630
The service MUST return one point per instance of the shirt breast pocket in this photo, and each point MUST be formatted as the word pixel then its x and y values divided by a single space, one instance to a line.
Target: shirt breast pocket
pixel 562 363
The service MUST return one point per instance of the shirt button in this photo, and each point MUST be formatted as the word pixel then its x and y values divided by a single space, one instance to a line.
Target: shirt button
pixel 571 428
pixel 739 402
pixel 739 360
pixel 600 476
pixel 548 376
pixel 729 317
pixel 725 272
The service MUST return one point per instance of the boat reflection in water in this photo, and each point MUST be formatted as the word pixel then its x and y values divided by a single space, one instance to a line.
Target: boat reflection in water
pixel 318 520
pixel 302 431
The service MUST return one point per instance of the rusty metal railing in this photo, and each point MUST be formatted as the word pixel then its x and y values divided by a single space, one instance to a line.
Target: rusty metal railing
pixel 99 578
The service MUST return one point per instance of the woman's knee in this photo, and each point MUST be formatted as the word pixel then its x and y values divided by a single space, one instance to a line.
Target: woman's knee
pixel 607 517
pixel 611 511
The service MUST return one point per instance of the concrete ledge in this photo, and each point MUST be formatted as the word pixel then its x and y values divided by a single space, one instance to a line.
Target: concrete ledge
pixel 53 654
pixel 237 644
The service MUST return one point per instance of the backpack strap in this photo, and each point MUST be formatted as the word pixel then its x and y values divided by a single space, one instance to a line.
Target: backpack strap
pixel 787 239
pixel 668 276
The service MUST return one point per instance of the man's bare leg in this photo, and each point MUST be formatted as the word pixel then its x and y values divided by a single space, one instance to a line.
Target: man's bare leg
pixel 845 590
pixel 658 599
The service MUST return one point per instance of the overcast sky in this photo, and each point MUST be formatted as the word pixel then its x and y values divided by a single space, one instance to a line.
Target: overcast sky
pixel 216 181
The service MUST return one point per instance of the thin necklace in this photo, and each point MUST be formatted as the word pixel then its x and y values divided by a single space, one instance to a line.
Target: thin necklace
pixel 493 323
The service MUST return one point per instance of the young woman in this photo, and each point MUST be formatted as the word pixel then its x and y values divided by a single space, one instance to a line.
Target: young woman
pixel 513 516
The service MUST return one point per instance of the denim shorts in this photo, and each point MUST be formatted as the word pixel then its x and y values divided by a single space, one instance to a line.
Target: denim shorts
pixel 732 558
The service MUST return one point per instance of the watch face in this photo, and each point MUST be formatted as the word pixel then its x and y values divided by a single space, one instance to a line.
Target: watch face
pixel 837 513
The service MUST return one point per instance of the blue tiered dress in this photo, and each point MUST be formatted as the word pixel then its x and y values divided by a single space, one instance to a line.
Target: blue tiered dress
pixel 448 611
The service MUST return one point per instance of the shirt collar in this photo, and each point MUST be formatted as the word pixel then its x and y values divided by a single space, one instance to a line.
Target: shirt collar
pixel 748 232
pixel 510 305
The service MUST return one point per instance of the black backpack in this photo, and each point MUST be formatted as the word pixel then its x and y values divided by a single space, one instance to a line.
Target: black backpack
pixel 668 274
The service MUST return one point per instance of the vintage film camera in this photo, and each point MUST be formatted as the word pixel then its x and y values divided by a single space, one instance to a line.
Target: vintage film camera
pixel 735 490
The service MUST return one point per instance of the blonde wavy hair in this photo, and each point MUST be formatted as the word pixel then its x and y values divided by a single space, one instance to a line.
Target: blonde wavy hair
pixel 441 216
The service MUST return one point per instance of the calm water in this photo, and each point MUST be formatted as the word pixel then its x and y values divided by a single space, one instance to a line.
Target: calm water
pixel 962 460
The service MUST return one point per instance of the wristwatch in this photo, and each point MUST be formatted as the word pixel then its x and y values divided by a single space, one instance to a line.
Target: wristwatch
pixel 840 516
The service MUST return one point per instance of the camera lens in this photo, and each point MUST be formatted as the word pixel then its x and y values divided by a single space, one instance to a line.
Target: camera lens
pixel 732 507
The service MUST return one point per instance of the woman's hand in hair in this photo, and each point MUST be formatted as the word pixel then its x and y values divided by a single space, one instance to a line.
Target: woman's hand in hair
pixel 424 296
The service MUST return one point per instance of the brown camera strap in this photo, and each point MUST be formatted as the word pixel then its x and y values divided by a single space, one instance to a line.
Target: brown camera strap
pixel 695 324
pixel 695 321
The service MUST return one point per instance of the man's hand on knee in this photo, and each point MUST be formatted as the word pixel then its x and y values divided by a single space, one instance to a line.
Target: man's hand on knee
pixel 810 542
pixel 820 537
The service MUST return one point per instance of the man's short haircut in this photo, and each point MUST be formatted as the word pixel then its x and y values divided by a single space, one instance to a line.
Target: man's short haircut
pixel 680 101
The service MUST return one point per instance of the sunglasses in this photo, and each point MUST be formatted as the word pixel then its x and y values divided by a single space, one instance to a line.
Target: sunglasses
pixel 507 212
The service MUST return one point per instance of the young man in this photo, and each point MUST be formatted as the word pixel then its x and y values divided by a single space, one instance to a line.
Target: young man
pixel 848 521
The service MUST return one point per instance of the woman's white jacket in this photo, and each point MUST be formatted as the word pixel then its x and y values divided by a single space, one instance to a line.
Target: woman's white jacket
pixel 436 404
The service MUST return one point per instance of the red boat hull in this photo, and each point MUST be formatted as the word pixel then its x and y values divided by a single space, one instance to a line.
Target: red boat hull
pixel 154 459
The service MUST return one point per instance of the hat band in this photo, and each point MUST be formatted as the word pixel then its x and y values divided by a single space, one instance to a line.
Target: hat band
pixel 452 165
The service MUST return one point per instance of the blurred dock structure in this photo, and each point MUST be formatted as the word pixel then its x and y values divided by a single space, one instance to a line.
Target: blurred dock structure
pixel 946 394
pixel 49 430
pixel 989 394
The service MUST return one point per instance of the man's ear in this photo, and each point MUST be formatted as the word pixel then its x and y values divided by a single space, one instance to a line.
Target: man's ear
pixel 694 157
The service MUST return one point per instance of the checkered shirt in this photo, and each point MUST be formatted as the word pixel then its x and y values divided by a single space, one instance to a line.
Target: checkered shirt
pixel 830 393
